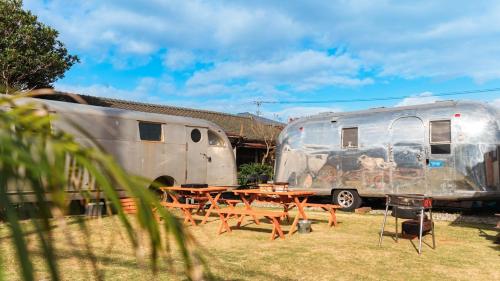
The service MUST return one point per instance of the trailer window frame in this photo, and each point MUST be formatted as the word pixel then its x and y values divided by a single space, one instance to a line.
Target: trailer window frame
pixel 149 123
pixel 211 134
pixel 440 146
pixel 342 138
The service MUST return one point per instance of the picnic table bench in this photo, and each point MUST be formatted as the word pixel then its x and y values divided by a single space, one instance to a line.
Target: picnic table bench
pixel 288 199
pixel 186 209
pixel 203 195
pixel 273 216
pixel 330 208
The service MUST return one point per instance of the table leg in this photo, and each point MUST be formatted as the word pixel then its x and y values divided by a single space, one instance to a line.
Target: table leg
pixel 223 223
pixel 174 197
pixel 188 217
pixel 213 204
pixel 248 206
pixel 300 214
pixel 201 207
pixel 273 233
pixel 276 222
pixel 286 208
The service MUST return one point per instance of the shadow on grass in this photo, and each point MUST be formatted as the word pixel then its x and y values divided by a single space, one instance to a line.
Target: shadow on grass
pixel 495 239
pixel 412 239
pixel 253 275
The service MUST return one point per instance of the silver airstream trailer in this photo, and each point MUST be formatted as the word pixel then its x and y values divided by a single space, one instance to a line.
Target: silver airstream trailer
pixel 448 150
pixel 170 150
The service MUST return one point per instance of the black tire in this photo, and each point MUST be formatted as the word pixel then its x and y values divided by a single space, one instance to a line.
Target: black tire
pixel 348 199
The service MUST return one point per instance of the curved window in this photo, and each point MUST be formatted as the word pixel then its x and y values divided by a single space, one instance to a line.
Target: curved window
pixel 195 135
pixel 214 139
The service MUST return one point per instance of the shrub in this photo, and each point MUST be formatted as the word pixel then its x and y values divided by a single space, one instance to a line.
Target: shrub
pixel 254 173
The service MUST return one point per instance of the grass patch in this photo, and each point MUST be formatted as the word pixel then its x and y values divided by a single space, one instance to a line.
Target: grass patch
pixel 348 252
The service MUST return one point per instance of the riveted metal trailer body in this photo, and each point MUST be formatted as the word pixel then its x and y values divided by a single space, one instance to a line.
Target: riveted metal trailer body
pixel 448 150
pixel 171 150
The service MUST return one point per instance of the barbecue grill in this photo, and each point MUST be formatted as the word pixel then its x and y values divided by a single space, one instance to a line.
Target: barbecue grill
pixel 409 206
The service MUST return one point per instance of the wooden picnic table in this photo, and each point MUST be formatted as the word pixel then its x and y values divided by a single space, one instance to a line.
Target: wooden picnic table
pixel 202 195
pixel 288 199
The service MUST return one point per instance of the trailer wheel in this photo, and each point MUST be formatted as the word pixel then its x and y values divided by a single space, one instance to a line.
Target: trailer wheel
pixel 348 199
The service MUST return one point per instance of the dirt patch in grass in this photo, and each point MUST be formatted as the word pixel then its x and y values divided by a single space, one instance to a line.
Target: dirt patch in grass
pixel 347 252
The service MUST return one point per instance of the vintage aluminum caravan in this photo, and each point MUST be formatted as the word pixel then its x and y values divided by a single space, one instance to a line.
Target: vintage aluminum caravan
pixel 170 150
pixel 448 150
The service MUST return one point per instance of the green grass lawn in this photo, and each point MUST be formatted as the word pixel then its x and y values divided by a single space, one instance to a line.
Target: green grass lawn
pixel 347 252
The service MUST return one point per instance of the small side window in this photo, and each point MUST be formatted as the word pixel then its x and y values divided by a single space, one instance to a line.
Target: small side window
pixel 440 137
pixel 350 137
pixel 214 139
pixel 195 135
pixel 149 131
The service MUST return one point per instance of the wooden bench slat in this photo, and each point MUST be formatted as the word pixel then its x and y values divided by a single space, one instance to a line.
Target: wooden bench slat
pixel 319 205
pixel 274 217
pixel 331 208
pixel 230 200
pixel 175 205
pixel 250 212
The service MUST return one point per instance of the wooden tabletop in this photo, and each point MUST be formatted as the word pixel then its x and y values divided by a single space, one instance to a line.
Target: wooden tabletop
pixel 280 193
pixel 195 189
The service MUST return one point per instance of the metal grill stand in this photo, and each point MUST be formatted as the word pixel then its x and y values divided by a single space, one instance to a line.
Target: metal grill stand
pixel 417 203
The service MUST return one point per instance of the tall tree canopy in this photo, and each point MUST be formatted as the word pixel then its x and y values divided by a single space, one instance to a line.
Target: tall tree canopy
pixel 31 56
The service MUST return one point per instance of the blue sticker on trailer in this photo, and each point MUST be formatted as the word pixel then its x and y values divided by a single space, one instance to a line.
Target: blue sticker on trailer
pixel 436 164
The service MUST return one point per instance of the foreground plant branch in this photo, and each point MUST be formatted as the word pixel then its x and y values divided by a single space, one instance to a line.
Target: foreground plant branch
pixel 33 161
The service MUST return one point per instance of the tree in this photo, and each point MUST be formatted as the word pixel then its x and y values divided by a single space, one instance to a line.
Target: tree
pixel 268 134
pixel 31 56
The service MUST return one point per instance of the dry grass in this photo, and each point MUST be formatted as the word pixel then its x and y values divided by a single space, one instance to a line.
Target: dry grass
pixel 349 252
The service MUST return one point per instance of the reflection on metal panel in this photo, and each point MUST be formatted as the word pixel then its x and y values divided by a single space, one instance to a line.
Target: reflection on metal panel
pixel 407 155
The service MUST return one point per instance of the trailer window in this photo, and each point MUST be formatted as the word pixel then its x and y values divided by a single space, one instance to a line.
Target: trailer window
pixel 214 139
pixel 195 135
pixel 150 131
pixel 440 137
pixel 350 137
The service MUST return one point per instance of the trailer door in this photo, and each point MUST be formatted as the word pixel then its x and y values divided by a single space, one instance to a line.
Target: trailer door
pixel 407 154
pixel 196 156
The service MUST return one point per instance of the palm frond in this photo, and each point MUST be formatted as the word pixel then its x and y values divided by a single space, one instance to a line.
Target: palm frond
pixel 34 162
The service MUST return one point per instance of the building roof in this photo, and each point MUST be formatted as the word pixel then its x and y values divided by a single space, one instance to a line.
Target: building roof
pixel 245 127
pixel 262 119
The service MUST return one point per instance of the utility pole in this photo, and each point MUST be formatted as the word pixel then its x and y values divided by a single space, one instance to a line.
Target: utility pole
pixel 258 103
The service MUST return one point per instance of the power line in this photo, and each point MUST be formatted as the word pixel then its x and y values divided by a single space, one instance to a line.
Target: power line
pixel 260 102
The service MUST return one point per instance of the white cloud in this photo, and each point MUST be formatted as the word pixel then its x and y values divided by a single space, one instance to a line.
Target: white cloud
pixel 178 59
pixel 303 70
pixel 495 103
pixel 266 49
pixel 146 26
pixel 422 98
pixel 147 89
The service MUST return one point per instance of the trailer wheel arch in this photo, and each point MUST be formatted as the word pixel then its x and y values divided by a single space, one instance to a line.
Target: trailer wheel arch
pixel 347 198
pixel 159 182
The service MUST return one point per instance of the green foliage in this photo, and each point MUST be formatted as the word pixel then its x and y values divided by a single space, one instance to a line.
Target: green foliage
pixel 254 173
pixel 33 160
pixel 31 56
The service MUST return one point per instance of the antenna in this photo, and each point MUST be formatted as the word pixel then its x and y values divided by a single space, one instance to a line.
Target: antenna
pixel 258 103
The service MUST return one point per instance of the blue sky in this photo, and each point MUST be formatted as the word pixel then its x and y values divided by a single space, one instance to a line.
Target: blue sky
pixel 222 55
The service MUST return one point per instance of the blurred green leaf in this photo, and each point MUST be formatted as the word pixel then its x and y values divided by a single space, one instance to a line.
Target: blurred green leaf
pixel 36 160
